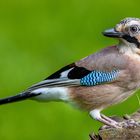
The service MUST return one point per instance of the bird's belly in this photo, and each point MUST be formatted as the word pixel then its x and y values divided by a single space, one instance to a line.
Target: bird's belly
pixel 98 97
pixel 86 98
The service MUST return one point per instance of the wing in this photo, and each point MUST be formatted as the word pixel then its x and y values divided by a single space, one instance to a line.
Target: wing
pixel 69 75
pixel 92 79
pixel 99 68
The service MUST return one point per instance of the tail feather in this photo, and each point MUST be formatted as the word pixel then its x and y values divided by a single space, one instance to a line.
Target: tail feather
pixel 16 98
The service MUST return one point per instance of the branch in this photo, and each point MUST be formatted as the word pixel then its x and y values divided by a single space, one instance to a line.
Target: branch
pixel 130 129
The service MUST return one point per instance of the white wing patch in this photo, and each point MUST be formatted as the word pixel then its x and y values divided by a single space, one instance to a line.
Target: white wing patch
pixel 65 73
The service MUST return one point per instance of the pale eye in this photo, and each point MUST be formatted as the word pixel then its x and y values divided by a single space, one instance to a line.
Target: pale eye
pixel 134 28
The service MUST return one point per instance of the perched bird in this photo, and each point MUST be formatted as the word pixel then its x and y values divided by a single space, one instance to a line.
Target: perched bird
pixel 98 81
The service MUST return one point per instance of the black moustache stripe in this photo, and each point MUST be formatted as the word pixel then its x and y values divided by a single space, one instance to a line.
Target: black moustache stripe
pixel 131 40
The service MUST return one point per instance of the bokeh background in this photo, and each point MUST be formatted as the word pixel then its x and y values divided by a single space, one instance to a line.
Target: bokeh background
pixel 37 37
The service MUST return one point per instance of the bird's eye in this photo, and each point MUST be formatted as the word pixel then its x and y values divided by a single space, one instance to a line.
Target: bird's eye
pixel 134 29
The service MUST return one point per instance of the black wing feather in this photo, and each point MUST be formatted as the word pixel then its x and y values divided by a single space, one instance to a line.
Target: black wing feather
pixel 75 72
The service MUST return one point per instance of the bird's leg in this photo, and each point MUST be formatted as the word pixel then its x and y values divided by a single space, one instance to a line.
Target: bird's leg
pixel 97 116
pixel 109 119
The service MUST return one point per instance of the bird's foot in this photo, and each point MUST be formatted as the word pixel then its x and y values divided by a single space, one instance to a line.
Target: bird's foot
pixel 104 119
pixel 110 123
pixel 111 126
pixel 124 124
pixel 129 124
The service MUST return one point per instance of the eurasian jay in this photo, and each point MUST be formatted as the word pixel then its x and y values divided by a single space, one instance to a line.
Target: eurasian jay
pixel 98 81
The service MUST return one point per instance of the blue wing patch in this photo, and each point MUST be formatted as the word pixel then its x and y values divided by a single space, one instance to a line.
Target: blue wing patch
pixel 98 77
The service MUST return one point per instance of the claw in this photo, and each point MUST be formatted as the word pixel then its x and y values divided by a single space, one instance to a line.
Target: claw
pixel 129 124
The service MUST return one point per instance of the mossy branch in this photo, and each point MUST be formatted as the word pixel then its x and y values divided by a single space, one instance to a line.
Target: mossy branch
pixel 129 131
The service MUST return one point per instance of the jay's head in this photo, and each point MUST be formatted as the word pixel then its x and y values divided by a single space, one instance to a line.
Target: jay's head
pixel 127 31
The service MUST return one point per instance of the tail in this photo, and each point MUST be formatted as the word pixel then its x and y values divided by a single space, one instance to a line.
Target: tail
pixel 16 98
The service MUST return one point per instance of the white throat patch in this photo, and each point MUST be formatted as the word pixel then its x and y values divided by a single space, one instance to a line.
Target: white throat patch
pixel 128 48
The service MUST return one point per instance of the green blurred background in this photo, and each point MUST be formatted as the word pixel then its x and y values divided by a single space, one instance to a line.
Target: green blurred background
pixel 36 39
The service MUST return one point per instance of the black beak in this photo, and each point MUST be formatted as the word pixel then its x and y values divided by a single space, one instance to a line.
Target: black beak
pixel 113 33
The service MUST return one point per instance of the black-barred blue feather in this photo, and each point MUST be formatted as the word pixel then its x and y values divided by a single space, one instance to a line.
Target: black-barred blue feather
pixel 98 77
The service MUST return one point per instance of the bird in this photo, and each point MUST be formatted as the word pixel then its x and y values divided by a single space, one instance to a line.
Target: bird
pixel 100 80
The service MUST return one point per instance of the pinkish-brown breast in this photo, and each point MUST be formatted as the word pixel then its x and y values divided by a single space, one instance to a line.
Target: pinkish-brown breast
pixel 102 96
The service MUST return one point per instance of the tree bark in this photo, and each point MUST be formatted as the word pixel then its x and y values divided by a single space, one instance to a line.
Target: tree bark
pixel 130 129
